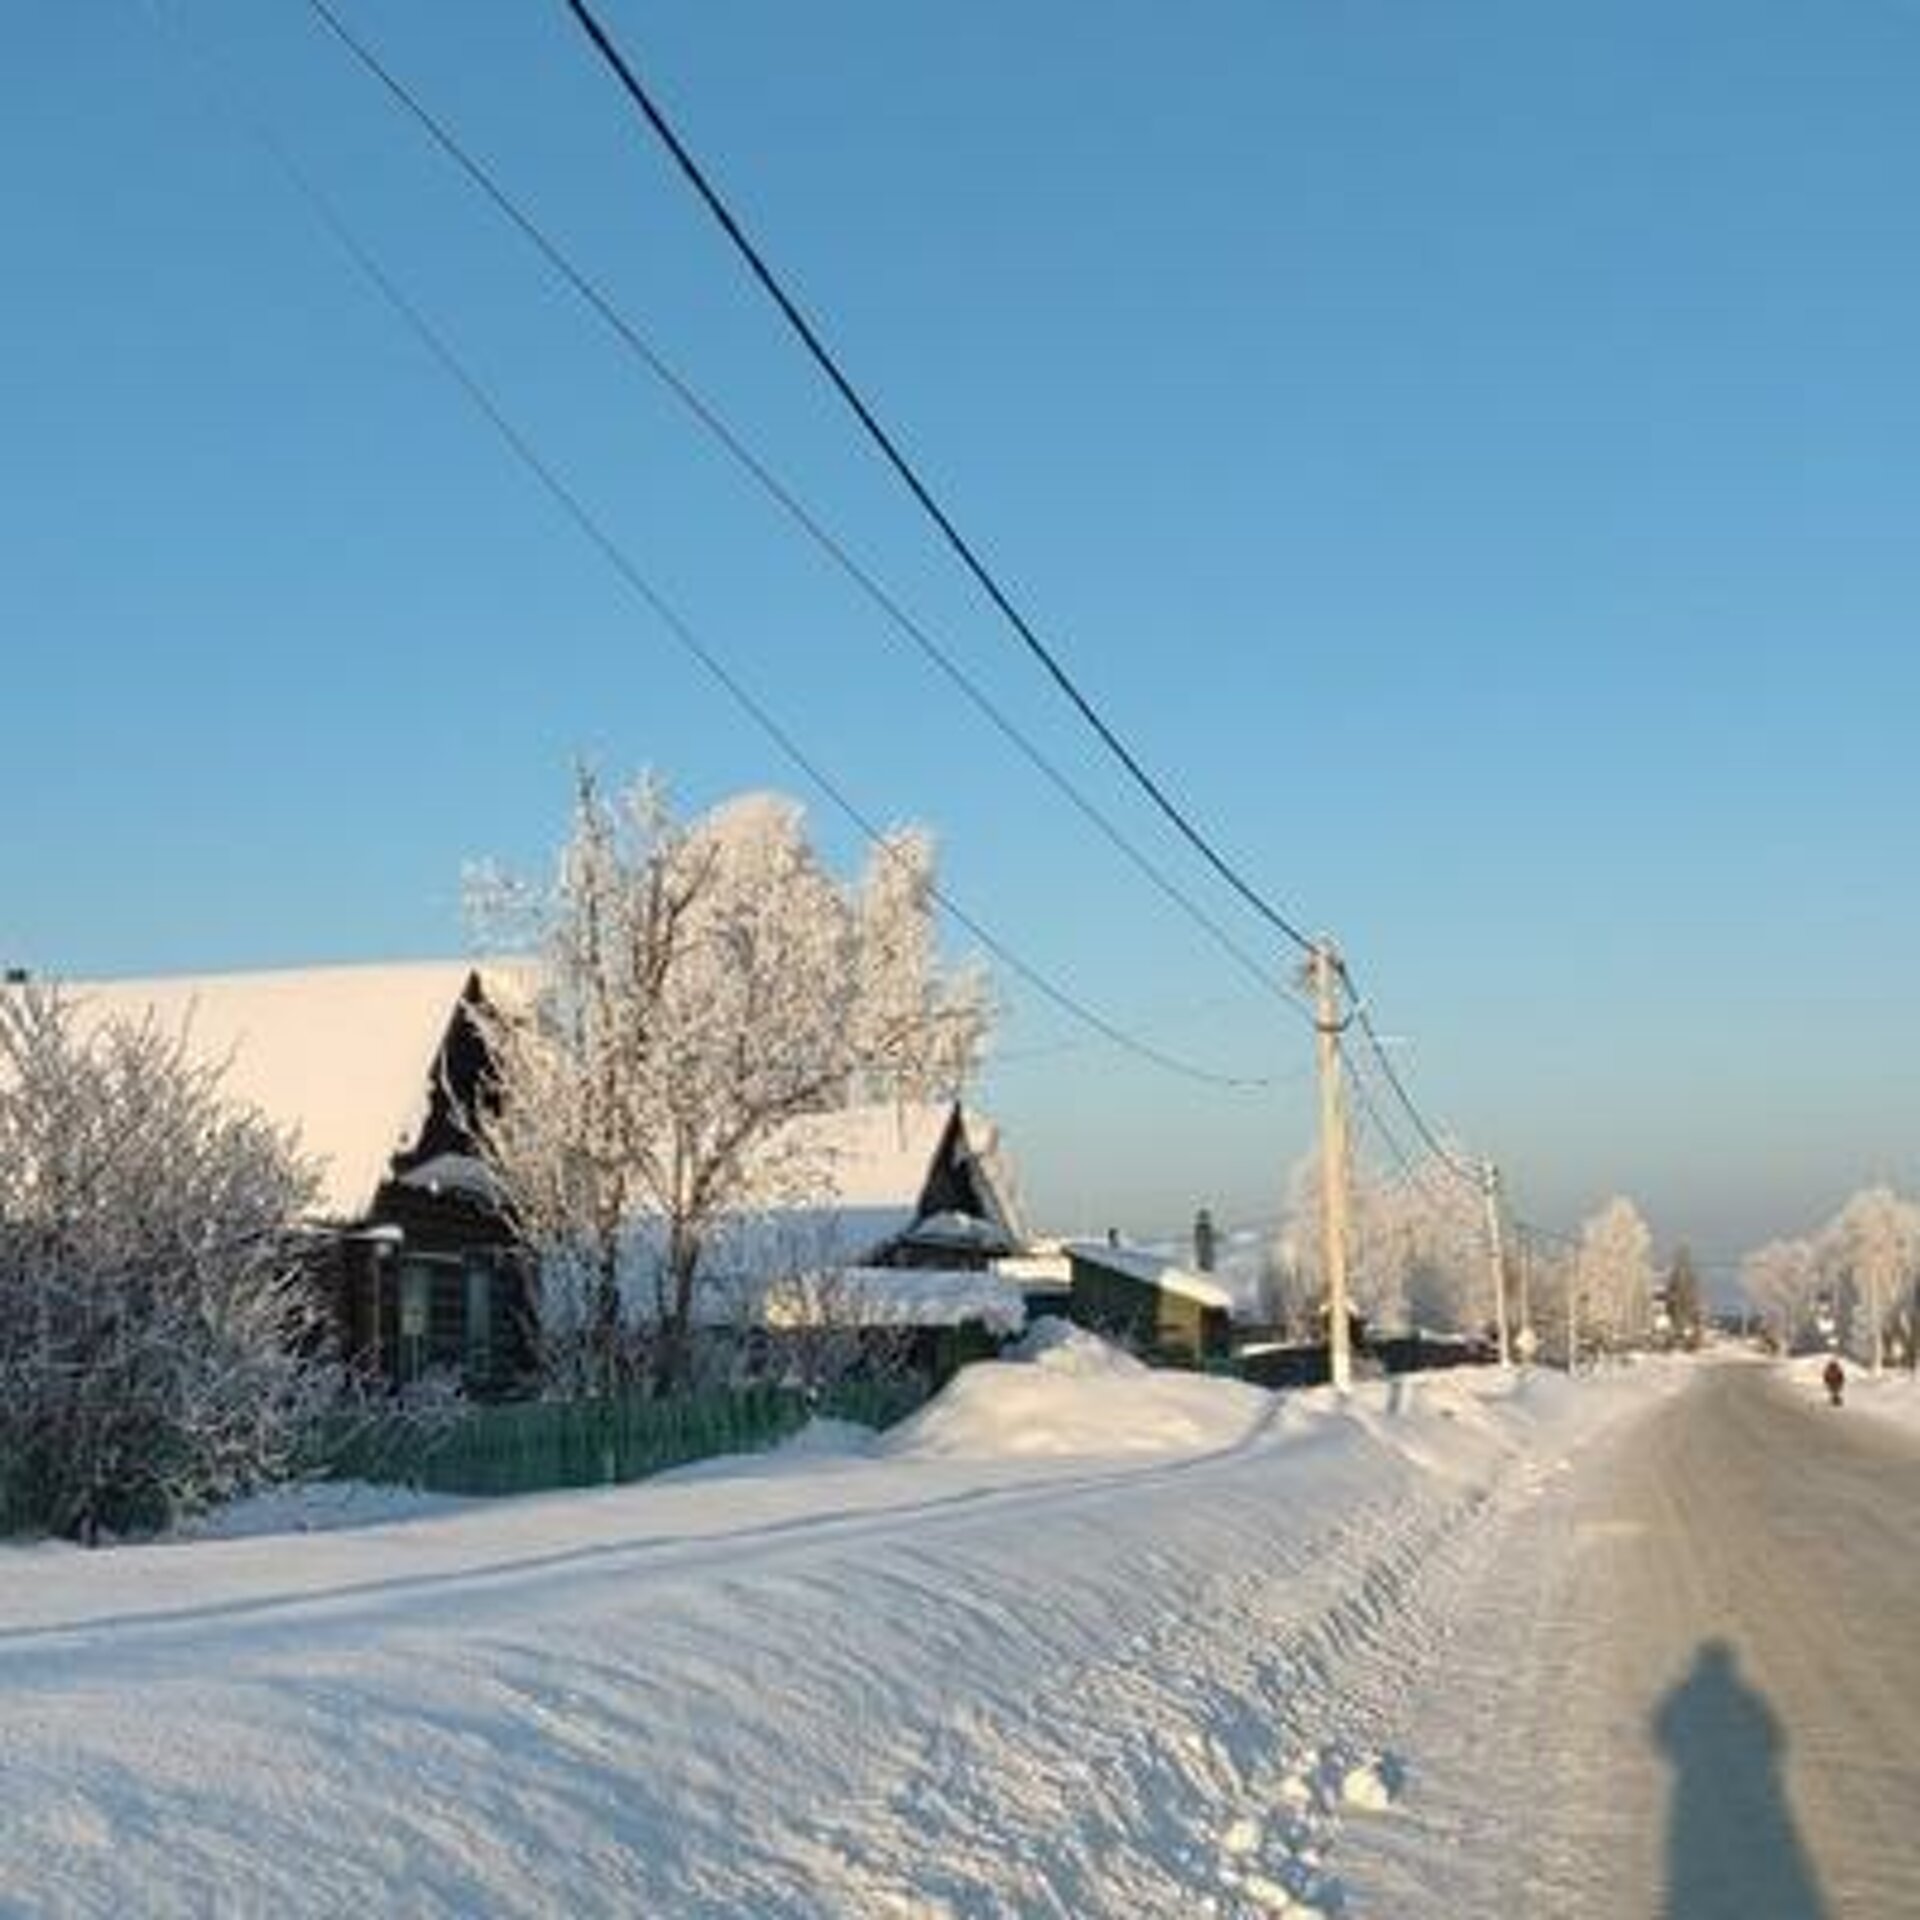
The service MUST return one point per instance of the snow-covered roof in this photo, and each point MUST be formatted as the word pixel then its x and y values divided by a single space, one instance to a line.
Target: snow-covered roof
pixel 345 1057
pixel 953 1229
pixel 1154 1270
pixel 342 1055
pixel 901 1297
pixel 1035 1270
pixel 859 1177
pixel 879 1157
pixel 867 1171
pixel 874 1157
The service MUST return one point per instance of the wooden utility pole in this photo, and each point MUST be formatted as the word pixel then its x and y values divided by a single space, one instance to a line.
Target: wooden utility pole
pixel 1526 1340
pixel 1497 1253
pixel 1324 970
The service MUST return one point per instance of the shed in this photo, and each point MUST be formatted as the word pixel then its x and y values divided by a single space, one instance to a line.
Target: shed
pixel 1149 1303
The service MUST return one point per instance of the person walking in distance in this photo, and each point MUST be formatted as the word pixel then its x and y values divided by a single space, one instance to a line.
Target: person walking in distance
pixel 1835 1379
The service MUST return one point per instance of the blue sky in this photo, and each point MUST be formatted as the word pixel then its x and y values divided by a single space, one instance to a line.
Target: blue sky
pixel 1469 451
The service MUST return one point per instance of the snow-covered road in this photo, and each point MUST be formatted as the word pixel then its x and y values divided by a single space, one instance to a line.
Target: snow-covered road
pixel 976 1674
pixel 1687 1686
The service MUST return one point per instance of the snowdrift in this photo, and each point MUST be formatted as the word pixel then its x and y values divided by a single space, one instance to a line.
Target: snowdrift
pixel 1067 1394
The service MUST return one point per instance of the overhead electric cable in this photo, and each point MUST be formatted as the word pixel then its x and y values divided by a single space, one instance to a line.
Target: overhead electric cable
pixel 676 625
pixel 1429 1135
pixel 1551 1234
pixel 729 439
pixel 891 452
pixel 1418 1174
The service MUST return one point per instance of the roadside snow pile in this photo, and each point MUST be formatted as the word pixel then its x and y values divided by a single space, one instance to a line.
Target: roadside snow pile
pixel 922 1682
pixel 1061 1347
pixel 821 1447
pixel 1075 1396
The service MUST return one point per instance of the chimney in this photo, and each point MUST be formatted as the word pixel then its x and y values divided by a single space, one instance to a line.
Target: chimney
pixel 1204 1241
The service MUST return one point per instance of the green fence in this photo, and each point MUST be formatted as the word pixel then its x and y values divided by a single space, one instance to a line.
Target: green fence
pixel 538 1446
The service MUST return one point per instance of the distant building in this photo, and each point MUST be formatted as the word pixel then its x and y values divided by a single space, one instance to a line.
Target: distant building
pixel 1154 1305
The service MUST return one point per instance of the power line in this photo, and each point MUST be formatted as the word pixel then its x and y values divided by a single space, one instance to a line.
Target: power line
pixel 1441 1152
pixel 730 440
pixel 1415 1173
pixel 824 359
pixel 1146 1015
pixel 677 626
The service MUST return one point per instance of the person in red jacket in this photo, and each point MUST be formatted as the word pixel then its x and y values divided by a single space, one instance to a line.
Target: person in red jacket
pixel 1835 1377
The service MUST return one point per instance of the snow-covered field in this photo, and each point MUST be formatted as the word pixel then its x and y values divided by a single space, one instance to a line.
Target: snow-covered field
pixel 1077 1640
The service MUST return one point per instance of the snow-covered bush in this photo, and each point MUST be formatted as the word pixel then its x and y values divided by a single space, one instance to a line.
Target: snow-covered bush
pixel 160 1345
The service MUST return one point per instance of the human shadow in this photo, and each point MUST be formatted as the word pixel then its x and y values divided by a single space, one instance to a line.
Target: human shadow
pixel 1732 1849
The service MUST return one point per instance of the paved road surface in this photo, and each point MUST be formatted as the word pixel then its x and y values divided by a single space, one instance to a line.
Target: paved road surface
pixel 1690 1688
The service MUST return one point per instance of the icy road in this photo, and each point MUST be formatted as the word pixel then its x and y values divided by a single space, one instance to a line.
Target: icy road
pixel 1688 1687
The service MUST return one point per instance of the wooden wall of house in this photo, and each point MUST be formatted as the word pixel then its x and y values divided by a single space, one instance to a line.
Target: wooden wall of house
pixel 1115 1306
pixel 1152 1320
pixel 453 1294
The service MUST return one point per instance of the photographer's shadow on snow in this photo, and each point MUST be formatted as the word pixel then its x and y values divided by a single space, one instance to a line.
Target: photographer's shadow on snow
pixel 1731 1845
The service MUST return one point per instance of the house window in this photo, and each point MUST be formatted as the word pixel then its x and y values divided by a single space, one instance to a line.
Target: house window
pixel 479 1320
pixel 416 1291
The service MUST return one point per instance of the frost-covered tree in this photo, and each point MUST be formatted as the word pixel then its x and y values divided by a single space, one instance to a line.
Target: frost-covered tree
pixel 920 1028
pixel 1613 1274
pixel 1685 1302
pixel 160 1342
pixel 1448 1278
pixel 1780 1280
pixel 1416 1249
pixel 1554 1300
pixel 1869 1253
pixel 699 988
pixel 1374 1265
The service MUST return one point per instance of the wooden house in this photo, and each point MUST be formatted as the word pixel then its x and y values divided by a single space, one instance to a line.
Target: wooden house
pixel 910 1209
pixel 375 1068
pixel 1155 1306
pixel 370 1067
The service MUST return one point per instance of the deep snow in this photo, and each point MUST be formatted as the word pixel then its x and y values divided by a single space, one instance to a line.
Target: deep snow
pixel 1080 1639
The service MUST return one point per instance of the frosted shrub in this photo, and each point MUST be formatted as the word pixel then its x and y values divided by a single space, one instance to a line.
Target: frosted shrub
pixel 160 1345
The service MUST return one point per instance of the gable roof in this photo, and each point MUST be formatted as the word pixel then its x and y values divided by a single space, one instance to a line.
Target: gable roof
pixel 344 1056
pixel 876 1176
pixel 884 1162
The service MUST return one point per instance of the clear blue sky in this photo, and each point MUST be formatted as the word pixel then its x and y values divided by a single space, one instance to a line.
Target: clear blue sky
pixel 1470 451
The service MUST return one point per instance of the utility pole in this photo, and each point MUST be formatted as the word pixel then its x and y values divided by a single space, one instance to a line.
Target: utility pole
pixel 1497 1253
pixel 1526 1340
pixel 1324 971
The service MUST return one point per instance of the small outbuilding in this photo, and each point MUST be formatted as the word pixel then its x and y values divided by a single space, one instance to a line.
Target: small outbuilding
pixel 1154 1305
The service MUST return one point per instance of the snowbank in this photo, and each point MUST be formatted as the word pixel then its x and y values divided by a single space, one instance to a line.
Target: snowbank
pixel 1077 1398
pixel 319 1506
pixel 1081 1639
